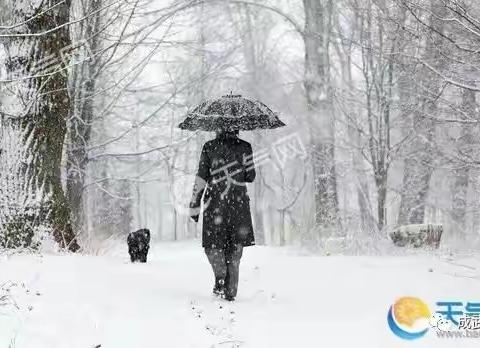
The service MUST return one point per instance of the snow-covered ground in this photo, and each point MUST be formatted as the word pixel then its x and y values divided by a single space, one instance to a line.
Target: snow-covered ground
pixel 285 299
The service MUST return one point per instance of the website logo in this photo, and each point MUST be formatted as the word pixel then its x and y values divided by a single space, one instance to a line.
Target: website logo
pixel 409 318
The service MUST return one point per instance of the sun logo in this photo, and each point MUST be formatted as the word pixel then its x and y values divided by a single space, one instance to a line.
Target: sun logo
pixel 409 317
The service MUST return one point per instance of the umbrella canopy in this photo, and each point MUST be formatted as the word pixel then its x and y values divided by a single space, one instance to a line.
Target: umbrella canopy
pixel 231 112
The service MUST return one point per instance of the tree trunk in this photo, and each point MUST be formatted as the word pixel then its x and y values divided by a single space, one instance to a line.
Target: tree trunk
pixel 382 199
pixel 418 165
pixel 460 185
pixel 83 86
pixel 253 72
pixel 44 102
pixel 475 184
pixel 459 201
pixel 319 100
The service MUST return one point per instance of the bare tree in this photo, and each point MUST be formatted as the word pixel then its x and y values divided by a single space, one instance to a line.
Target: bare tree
pixel 316 36
pixel 462 172
pixel 83 84
pixel 419 161
pixel 251 41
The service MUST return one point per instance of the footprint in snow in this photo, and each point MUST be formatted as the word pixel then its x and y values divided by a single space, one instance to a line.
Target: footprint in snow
pixel 218 319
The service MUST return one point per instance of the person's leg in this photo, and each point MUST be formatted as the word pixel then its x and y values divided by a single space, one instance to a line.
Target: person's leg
pixel 216 257
pixel 233 256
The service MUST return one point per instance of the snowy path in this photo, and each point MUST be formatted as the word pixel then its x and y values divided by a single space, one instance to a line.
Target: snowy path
pixel 284 300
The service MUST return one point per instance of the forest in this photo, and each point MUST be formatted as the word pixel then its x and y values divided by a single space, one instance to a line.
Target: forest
pixel 379 99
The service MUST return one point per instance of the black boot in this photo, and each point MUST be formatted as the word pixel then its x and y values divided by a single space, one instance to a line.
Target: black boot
pixel 228 297
pixel 219 288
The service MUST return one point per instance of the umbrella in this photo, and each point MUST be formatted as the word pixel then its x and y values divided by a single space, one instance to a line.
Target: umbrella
pixel 231 112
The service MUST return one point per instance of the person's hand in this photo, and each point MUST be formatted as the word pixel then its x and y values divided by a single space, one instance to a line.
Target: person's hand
pixel 194 218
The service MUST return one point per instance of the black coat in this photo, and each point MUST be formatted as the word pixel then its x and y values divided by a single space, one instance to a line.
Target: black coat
pixel 226 164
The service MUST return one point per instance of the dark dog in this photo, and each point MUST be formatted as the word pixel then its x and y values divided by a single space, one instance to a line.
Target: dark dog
pixel 138 245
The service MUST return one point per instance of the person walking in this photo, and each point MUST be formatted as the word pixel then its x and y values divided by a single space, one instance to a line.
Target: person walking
pixel 226 165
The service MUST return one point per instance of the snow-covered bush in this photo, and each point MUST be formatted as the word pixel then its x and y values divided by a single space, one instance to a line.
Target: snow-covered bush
pixel 417 235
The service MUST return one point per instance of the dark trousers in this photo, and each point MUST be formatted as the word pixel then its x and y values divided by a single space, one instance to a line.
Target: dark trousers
pixel 225 264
